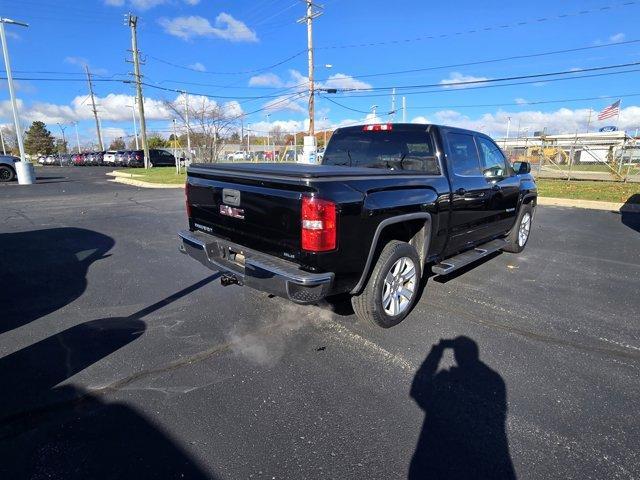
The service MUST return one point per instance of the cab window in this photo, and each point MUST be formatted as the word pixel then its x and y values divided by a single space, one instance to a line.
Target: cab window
pixel 493 162
pixel 463 155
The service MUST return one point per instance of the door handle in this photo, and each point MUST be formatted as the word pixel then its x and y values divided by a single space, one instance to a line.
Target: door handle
pixel 461 191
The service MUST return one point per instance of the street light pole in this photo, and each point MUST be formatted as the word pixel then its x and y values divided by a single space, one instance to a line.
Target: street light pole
pixel 77 136
pixel 135 128
pixel 24 171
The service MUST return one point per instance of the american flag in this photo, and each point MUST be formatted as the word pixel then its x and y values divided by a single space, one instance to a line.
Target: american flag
pixel 611 111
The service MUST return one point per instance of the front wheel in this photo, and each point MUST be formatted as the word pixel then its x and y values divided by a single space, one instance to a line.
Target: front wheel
pixel 6 173
pixel 519 234
pixel 392 289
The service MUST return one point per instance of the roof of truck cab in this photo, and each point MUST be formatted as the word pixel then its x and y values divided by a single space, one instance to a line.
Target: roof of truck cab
pixel 408 127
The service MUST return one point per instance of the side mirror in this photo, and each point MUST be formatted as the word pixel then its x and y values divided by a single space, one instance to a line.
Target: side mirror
pixel 522 167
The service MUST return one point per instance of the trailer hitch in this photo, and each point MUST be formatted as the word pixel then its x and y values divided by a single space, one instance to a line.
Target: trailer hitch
pixel 227 279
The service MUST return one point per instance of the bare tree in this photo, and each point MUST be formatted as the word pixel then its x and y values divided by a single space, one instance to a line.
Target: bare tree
pixel 10 140
pixel 277 135
pixel 209 124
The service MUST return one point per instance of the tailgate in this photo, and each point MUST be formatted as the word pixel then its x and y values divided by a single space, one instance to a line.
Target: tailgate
pixel 260 214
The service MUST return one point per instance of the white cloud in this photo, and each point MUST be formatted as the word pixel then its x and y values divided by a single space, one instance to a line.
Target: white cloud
pixel 457 77
pixel 266 80
pixel 114 3
pixel 299 84
pixel 521 101
pixel 198 67
pixel 285 104
pixel 340 80
pixel 618 37
pixel 192 2
pixel 111 133
pixel 226 27
pixel 420 119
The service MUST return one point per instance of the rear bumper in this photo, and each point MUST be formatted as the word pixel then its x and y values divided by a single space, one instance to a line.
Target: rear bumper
pixel 258 270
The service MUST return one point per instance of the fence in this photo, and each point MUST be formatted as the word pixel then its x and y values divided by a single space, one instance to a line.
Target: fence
pixel 596 156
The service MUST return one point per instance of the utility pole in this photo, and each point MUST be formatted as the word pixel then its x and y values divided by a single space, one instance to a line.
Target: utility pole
pixel 175 147
pixel 75 124
pixel 24 169
pixel 404 109
pixel 93 107
pixel 392 113
pixel 310 141
pixel 186 121
pixel 133 24
pixel 4 150
pixel 64 139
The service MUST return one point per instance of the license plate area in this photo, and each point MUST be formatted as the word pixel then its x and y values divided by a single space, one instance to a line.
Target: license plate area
pixel 233 256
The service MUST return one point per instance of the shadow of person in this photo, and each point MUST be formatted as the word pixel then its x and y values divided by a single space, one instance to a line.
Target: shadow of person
pixel 44 270
pixel 51 429
pixel 463 435
pixel 630 212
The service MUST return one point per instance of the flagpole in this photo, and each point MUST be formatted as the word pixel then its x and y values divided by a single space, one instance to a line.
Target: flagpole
pixel 619 110
pixel 589 121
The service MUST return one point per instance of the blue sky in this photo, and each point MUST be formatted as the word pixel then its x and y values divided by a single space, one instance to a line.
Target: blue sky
pixel 221 41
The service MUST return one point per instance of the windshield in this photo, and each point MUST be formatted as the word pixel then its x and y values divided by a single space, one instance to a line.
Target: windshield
pixel 394 150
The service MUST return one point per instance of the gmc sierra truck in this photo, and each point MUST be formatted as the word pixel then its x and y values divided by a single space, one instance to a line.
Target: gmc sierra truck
pixel 387 203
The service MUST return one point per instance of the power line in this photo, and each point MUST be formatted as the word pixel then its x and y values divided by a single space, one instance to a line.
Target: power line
pixel 487 28
pixel 441 90
pixel 483 81
pixel 242 72
pixel 519 104
pixel 495 60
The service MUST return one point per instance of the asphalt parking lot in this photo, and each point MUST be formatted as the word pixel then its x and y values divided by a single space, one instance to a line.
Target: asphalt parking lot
pixel 122 358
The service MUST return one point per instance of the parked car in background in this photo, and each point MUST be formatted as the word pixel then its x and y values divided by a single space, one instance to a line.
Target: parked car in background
pixel 136 158
pixel 238 156
pixel 98 158
pixel 41 159
pixel 109 157
pixel 121 158
pixel 64 159
pixel 159 158
pixel 78 159
pixel 8 167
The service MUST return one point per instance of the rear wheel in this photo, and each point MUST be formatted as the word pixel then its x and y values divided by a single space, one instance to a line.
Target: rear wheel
pixel 6 173
pixel 519 234
pixel 392 289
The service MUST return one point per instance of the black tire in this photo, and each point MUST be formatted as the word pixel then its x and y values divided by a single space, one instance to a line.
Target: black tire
pixel 6 173
pixel 514 245
pixel 368 305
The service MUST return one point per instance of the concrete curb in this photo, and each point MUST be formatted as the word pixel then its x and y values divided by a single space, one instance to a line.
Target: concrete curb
pixel 140 183
pixel 115 173
pixel 589 204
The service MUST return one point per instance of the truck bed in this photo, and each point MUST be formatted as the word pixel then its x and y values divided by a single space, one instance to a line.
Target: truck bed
pixel 289 170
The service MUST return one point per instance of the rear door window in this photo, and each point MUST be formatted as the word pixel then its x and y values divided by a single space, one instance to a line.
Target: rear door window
pixel 409 150
pixel 463 155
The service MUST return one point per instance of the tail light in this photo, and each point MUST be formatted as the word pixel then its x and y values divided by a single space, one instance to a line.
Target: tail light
pixel 319 227
pixel 385 127
pixel 186 194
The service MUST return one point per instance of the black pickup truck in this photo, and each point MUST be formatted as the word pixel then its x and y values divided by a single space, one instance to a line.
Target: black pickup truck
pixel 388 202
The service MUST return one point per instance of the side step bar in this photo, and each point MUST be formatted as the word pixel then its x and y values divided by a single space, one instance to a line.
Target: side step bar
pixel 465 258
